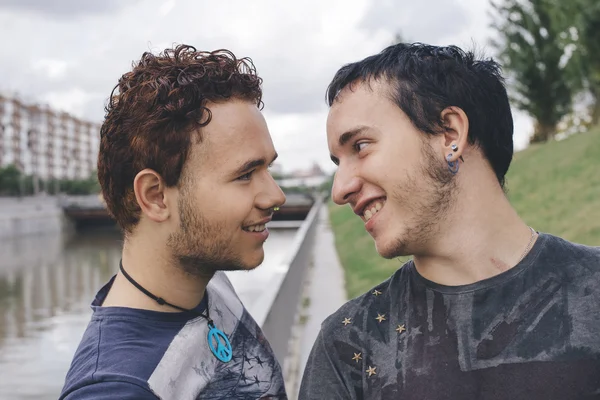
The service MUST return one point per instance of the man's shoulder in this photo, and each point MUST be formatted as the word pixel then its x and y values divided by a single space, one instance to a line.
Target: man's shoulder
pixel 579 257
pixel 116 388
pixel 107 353
pixel 120 343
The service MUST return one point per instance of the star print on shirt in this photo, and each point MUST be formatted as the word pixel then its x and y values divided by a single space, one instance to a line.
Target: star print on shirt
pixel 230 374
pixel 371 371
pixel 219 313
pixel 259 361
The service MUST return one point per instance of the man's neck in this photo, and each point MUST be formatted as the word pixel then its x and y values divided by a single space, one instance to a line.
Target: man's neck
pixel 151 266
pixel 481 238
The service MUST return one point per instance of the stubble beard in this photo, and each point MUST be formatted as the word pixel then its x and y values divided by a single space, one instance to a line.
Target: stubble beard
pixel 202 247
pixel 427 197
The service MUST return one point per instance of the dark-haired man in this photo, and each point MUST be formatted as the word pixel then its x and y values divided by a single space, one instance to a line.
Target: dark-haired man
pixel 183 164
pixel 488 308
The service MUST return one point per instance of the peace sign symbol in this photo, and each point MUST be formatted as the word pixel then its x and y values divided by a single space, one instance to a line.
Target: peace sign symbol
pixel 223 350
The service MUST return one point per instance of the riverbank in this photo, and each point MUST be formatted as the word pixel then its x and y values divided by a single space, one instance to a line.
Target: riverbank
pixel 22 216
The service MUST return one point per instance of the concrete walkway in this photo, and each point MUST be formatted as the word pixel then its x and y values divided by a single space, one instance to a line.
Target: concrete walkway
pixel 324 292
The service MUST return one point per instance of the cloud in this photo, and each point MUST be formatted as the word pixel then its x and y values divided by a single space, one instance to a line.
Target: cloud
pixel 295 50
pixel 425 21
pixel 71 53
pixel 72 101
pixel 64 8
pixel 300 139
pixel 50 68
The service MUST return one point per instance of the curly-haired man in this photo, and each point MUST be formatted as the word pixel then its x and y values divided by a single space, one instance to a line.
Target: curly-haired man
pixel 183 166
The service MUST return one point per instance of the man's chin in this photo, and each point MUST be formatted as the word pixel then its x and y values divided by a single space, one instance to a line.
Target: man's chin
pixel 391 248
pixel 249 262
pixel 256 262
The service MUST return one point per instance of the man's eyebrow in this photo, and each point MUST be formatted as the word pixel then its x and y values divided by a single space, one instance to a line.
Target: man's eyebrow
pixel 348 135
pixel 251 164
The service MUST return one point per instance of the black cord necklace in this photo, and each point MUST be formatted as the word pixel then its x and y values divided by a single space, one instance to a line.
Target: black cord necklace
pixel 218 342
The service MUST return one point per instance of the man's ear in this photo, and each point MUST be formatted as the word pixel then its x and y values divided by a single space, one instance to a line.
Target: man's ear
pixel 456 132
pixel 150 193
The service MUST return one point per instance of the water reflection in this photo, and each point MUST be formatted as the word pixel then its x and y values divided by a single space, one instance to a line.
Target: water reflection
pixel 46 286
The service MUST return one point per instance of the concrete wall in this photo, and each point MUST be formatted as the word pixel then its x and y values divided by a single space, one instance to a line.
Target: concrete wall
pixel 30 216
pixel 279 307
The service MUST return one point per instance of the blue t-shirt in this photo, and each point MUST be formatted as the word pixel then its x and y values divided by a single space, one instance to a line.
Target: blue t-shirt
pixel 129 353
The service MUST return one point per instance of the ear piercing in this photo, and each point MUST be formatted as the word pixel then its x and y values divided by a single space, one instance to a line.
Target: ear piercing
pixel 453 165
pixel 455 149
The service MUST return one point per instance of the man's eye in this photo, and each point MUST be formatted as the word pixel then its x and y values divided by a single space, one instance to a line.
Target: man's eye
pixel 246 177
pixel 360 146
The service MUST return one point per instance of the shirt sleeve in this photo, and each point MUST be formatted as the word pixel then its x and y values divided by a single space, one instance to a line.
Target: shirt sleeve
pixel 111 390
pixel 322 377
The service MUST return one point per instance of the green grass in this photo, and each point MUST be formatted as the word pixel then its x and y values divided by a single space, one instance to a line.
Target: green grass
pixel 555 187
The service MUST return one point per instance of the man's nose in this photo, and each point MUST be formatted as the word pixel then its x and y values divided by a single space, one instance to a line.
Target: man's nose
pixel 345 184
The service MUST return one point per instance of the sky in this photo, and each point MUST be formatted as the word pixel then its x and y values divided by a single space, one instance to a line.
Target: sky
pixel 69 54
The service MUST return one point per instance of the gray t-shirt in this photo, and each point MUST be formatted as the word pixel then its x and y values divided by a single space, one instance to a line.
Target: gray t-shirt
pixel 532 332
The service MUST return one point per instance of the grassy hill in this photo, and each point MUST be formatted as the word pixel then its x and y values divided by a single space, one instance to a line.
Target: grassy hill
pixel 554 186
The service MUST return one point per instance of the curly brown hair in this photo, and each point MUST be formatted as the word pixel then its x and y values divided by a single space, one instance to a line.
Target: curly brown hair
pixel 154 111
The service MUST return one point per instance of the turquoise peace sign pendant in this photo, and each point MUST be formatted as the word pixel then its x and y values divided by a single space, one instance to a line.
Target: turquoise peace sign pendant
pixel 219 344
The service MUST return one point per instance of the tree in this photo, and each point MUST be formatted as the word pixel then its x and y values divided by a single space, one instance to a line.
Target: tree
pixel 398 38
pixel 533 47
pixel 10 178
pixel 14 183
pixel 586 14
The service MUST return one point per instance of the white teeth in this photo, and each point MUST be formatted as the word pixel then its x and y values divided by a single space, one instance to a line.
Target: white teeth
pixel 255 228
pixel 373 210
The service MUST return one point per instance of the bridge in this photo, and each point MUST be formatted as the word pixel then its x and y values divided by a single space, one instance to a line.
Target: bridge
pixel 91 210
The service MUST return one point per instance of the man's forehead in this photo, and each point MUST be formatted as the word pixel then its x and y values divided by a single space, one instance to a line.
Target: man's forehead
pixel 358 89
pixel 356 104
pixel 344 117
pixel 225 151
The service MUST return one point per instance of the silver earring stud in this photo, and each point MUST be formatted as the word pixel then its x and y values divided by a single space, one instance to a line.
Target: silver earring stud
pixel 455 149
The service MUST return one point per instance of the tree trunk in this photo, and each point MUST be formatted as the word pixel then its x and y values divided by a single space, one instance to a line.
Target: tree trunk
pixel 595 112
pixel 543 133
pixel 36 185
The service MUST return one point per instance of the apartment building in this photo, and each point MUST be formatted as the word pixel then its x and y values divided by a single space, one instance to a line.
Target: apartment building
pixel 45 143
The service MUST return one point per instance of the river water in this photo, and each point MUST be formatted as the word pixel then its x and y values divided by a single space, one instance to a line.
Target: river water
pixel 46 286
